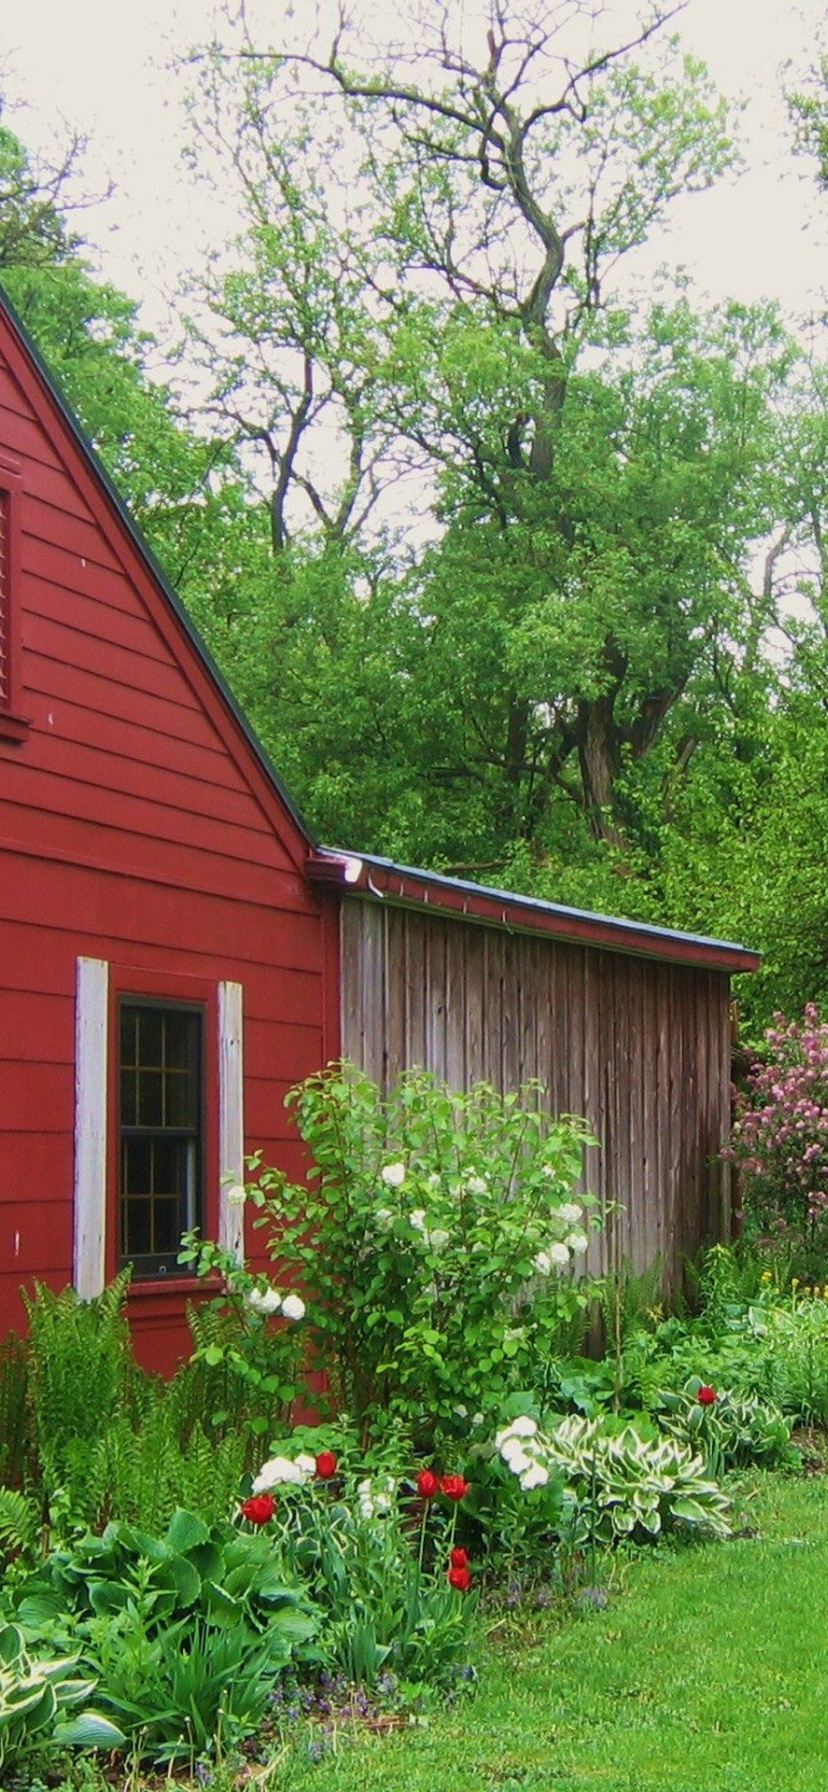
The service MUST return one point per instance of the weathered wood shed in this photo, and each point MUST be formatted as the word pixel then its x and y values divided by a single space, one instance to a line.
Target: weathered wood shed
pixel 176 950
pixel 624 1023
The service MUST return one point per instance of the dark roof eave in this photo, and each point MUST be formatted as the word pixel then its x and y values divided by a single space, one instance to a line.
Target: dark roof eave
pixel 367 875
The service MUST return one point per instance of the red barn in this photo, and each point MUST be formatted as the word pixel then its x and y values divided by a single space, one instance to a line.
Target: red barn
pixel 162 953
pixel 171 937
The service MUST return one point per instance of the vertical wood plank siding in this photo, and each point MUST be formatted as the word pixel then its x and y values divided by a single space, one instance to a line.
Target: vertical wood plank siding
pixel 640 1048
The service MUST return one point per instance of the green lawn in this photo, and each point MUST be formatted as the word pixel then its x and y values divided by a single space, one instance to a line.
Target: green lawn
pixel 707 1672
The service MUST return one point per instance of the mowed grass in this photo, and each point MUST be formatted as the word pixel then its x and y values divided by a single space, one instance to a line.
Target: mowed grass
pixel 706 1672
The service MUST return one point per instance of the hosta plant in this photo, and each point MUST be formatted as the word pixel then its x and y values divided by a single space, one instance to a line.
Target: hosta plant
pixel 617 1483
pixel 39 1702
pixel 729 1429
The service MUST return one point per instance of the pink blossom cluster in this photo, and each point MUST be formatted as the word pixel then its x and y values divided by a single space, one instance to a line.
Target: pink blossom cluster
pixel 781 1131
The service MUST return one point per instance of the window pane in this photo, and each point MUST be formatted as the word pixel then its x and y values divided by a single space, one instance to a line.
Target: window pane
pixel 167 1228
pixel 181 1034
pixel 181 1099
pixel 151 1037
pixel 137 1228
pixel 136 1167
pixel 129 1098
pixel 150 1098
pixel 167 1166
pixel 161 1121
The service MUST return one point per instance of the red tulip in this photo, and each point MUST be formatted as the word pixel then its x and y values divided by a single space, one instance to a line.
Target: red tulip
pixel 259 1509
pixel 454 1486
pixel 706 1396
pixel 459 1558
pixel 427 1484
pixel 326 1465
pixel 459 1578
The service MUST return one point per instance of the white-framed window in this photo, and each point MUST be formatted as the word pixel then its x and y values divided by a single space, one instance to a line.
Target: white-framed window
pixel 159 1119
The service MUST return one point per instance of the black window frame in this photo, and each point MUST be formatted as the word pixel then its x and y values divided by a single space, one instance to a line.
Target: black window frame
pixel 159 1264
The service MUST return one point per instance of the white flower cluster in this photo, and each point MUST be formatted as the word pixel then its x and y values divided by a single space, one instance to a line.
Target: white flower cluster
pixel 269 1300
pixel 558 1255
pixel 285 1471
pixel 519 1445
pixel 376 1497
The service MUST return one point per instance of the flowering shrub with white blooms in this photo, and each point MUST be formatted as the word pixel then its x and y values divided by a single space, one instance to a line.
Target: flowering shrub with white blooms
pixel 440 1245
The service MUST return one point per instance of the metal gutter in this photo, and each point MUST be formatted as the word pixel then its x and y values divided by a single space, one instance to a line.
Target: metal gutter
pixel 369 876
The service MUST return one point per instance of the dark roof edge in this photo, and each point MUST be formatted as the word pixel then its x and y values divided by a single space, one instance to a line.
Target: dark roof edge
pixel 153 564
pixel 367 874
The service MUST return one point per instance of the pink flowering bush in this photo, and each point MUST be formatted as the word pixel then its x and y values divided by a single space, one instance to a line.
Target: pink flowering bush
pixel 780 1138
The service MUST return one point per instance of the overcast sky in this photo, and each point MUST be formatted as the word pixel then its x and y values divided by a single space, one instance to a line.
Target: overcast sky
pixel 100 67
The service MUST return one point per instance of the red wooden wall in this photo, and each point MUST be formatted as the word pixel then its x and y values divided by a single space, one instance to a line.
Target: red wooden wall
pixel 138 826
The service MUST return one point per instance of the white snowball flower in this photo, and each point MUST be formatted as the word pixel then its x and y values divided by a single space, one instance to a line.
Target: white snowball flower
pixel 523 1426
pixel 438 1239
pixel 476 1185
pixel 293 1307
pixel 263 1300
pixel 279 1471
pixel 534 1476
pixel 306 1463
pixel 384 1219
pixel 570 1212
pixel 578 1243
pixel 393 1175
pixel 417 1219
pixel 542 1263
pixel 559 1255
pixel 236 1195
pixel 515 1458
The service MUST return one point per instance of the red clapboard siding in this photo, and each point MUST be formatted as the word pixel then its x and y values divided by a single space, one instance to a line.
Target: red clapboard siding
pixel 90 688
pixel 67 574
pixel 290 1051
pixel 121 629
pixel 35 1237
pixel 131 777
pixel 79 534
pixel 78 900
pixel 41 1095
pixel 119 665
pixel 13 405
pixel 86 836
pixel 35 1160
pixel 42 1031
pixel 132 741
